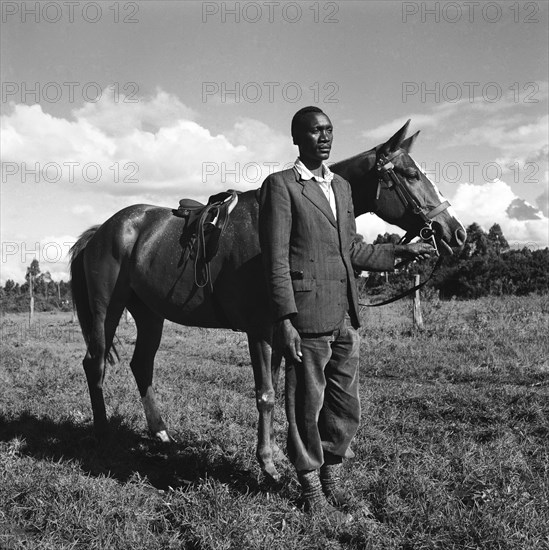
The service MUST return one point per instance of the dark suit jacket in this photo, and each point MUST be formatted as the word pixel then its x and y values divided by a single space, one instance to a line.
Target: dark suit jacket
pixel 309 256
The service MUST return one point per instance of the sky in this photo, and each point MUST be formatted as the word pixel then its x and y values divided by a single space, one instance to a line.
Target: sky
pixel 107 104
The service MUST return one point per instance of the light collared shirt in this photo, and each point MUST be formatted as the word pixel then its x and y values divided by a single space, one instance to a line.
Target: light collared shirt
pixel 325 182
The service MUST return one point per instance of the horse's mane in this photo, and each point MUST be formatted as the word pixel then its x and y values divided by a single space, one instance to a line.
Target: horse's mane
pixel 357 165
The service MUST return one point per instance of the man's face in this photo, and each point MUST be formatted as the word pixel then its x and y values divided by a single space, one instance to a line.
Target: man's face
pixel 314 137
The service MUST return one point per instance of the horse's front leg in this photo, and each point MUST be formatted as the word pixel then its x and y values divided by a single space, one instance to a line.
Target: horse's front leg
pixel 276 360
pixel 260 353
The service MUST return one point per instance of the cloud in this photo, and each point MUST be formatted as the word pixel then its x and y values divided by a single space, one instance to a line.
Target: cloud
pixel 524 143
pixel 125 116
pixel 68 173
pixel 492 202
pixel 31 136
pixel 519 209
pixel 382 133
pixel 543 202
pixel 474 105
pixel 79 209
pixel 370 226
pixel 157 151
pixel 152 148
pixel 512 126
pixel 511 132
pixel 495 202
pixel 521 140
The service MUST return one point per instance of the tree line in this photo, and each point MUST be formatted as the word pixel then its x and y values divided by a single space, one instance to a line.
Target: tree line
pixel 485 267
pixel 48 295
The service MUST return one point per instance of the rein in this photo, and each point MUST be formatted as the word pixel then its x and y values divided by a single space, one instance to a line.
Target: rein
pixel 410 290
pixel 385 169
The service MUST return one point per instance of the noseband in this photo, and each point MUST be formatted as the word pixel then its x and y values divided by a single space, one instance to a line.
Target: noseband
pixel 385 169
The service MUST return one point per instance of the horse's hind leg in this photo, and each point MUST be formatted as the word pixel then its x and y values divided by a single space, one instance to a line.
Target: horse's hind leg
pixel 94 367
pixel 149 333
pixel 100 341
pixel 102 292
pixel 260 353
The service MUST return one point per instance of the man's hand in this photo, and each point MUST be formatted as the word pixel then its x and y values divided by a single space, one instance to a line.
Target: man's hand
pixel 288 340
pixel 414 251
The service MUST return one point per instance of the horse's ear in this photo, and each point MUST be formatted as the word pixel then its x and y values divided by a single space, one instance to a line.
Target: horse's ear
pixel 408 143
pixel 394 143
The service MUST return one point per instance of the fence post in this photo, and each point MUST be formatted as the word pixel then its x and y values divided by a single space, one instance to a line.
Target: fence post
pixel 31 302
pixel 418 319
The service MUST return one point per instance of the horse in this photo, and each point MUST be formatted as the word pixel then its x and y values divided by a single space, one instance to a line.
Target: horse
pixel 138 260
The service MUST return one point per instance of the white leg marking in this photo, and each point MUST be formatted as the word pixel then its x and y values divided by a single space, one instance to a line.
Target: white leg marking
pixel 163 436
pixel 154 421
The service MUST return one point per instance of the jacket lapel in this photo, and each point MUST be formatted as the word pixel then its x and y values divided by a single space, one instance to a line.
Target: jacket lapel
pixel 340 197
pixel 312 191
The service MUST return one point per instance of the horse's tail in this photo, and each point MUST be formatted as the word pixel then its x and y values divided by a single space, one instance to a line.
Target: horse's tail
pixel 79 289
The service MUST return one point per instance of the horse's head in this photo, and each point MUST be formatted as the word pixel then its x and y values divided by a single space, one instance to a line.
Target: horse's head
pixel 388 182
pixel 405 196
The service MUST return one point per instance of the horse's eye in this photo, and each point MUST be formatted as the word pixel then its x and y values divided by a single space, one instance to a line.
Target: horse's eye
pixel 412 174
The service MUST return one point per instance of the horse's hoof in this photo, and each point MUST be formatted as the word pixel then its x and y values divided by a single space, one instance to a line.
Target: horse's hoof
pixel 164 437
pixel 271 474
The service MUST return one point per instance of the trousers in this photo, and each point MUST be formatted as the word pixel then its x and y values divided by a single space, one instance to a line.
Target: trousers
pixel 322 401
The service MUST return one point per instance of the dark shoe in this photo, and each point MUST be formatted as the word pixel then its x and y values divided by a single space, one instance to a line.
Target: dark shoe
pixel 330 479
pixel 336 495
pixel 314 501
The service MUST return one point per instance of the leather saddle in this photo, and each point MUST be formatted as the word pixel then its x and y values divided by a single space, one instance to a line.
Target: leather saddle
pixel 205 224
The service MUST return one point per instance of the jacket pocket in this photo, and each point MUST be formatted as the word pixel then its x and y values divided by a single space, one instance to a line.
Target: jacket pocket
pixel 303 285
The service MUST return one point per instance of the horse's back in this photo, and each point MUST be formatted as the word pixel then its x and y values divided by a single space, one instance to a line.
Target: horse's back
pixel 151 249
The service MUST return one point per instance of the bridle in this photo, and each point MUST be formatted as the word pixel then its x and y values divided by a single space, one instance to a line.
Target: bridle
pixel 385 169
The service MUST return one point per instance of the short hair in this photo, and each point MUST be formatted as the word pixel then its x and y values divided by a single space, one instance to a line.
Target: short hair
pixel 296 120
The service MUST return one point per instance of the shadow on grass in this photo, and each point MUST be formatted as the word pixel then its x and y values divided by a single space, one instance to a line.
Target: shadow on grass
pixel 125 453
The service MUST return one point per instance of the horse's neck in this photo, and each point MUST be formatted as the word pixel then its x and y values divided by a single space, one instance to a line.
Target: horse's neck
pixel 358 172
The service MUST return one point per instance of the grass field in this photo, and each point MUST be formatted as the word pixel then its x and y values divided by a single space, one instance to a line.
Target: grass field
pixel 453 450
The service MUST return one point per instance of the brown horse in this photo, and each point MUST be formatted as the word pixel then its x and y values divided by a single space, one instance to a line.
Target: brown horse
pixel 138 260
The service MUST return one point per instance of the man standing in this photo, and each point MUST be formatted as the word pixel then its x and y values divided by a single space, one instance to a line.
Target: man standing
pixel 309 244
